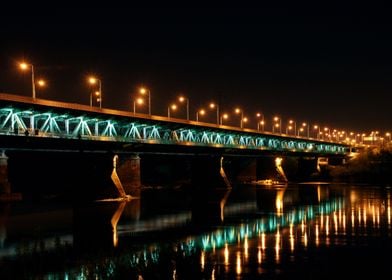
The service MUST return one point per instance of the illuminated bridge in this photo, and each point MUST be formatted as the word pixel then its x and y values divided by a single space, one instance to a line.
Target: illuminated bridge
pixel 44 119
pixel 36 125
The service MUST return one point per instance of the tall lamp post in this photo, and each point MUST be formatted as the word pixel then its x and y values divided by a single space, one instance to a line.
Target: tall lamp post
pixel 327 132
pixel 212 106
pixel 260 123
pixel 258 116
pixel 277 123
pixel 143 91
pixel 93 80
pixel 138 101
pixel 239 111
pixel 291 123
pixel 388 136
pixel 304 124
pixel 223 117
pixel 24 66
pixel 317 128
pixel 200 112
pixel 288 128
pixel 97 94
pixel 185 99
pixel 173 107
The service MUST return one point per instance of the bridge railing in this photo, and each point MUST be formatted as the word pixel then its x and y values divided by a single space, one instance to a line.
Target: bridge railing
pixel 41 122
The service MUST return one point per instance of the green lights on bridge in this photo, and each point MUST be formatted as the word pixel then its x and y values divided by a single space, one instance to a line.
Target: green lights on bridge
pixel 54 122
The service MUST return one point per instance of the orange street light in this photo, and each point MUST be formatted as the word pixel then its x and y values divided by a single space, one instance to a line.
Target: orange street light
pixel 138 101
pixel 25 66
pixel 291 123
pixel 93 80
pixel 262 123
pixel 185 99
pixel 173 107
pixel 41 83
pixel 278 124
pixel 200 112
pixel 258 116
pixel 212 106
pixel 239 111
pixel 317 128
pixel 223 117
pixel 144 91
pixel 304 124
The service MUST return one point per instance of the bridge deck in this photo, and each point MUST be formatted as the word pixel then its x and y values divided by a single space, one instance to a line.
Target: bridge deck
pixel 53 119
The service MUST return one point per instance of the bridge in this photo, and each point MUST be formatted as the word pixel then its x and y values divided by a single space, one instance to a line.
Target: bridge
pixel 50 119
pixel 38 124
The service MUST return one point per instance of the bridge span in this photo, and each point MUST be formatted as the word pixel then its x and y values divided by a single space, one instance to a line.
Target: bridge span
pixel 51 119
pixel 46 125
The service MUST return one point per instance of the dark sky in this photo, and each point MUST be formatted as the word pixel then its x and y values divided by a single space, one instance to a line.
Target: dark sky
pixel 325 65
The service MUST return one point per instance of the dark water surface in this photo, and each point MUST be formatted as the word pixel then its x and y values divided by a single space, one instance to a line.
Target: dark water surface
pixel 304 231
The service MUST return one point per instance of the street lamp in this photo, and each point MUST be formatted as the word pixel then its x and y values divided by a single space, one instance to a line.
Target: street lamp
pixel 24 66
pixel 201 112
pixel 327 132
pixel 97 94
pixel 239 111
pixel 388 136
pixel 144 91
pixel 317 127
pixel 223 117
pixel 301 129
pixel 41 83
pixel 258 115
pixel 262 123
pixel 173 107
pixel 291 123
pixel 183 99
pixel 138 101
pixel 276 124
pixel 212 106
pixel 93 80
pixel 288 128
pixel 245 120
pixel 304 124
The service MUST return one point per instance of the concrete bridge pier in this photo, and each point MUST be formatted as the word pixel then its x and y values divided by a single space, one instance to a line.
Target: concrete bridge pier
pixel 271 168
pixel 321 163
pixel 128 171
pixel 251 169
pixel 5 187
pixel 208 172
pixel 308 168
pixel 242 169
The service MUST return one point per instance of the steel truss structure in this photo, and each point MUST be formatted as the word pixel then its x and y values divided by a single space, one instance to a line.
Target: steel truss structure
pixel 38 121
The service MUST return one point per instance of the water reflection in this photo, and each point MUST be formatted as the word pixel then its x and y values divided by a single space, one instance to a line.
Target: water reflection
pixel 247 231
pixel 4 212
pixel 211 204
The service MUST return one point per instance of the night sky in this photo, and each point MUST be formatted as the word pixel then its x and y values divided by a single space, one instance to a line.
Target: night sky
pixel 325 65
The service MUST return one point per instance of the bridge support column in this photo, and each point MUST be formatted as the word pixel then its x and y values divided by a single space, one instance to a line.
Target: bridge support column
pixel 5 187
pixel 129 173
pixel 321 162
pixel 242 169
pixel 270 168
pixel 208 172
pixel 308 168
pixel 279 169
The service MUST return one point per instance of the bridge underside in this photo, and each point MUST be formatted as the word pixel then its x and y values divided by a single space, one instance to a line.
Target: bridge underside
pixel 28 143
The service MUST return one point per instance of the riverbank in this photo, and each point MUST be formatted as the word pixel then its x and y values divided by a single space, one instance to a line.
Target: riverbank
pixel 374 165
